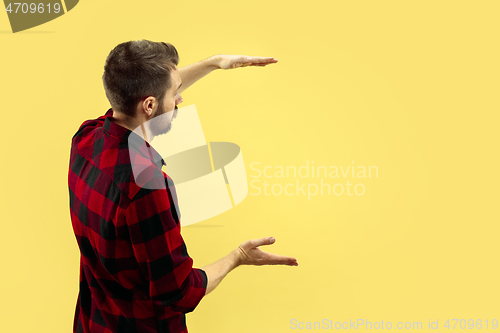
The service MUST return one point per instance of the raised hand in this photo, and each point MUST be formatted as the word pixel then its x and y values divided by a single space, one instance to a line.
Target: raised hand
pixel 226 61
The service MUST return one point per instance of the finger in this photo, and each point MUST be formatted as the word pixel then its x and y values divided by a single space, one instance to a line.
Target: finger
pixel 260 65
pixel 258 242
pixel 262 59
pixel 276 259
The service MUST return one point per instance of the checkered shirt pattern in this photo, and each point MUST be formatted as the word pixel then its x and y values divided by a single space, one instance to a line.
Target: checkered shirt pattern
pixel 135 272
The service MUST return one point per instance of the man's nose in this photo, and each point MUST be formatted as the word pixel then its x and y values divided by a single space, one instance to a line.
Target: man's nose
pixel 179 100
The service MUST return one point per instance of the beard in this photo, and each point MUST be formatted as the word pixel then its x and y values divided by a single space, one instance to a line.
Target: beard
pixel 160 124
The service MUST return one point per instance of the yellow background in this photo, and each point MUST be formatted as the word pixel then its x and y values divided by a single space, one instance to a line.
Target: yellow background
pixel 410 87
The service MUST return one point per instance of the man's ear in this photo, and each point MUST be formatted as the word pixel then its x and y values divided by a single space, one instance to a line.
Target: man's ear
pixel 149 105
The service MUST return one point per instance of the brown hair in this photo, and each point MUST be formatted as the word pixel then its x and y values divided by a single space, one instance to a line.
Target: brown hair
pixel 137 69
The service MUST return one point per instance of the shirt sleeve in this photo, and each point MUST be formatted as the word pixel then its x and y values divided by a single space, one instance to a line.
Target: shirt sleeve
pixel 162 254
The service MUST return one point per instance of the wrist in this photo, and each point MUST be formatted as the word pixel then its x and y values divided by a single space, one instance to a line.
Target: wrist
pixel 236 258
pixel 213 62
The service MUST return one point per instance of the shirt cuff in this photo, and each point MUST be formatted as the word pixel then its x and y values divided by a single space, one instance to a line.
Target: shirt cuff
pixel 198 289
pixel 204 277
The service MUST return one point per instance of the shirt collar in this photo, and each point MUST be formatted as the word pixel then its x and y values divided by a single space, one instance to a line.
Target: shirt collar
pixel 135 141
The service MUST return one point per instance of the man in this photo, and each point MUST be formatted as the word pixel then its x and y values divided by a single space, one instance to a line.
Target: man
pixel 135 272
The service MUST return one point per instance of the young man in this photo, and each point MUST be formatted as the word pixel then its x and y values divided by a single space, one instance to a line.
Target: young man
pixel 135 272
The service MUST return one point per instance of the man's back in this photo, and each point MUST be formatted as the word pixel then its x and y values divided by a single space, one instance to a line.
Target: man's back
pixel 135 272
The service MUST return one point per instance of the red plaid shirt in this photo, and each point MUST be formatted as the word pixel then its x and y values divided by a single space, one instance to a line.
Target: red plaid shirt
pixel 135 272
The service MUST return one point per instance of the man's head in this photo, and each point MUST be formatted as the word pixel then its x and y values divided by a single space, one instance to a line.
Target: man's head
pixel 141 82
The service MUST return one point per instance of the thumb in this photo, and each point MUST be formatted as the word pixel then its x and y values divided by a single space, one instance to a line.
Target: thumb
pixel 253 243
pixel 264 241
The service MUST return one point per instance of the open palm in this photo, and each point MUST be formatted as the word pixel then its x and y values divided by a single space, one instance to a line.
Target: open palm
pixel 250 254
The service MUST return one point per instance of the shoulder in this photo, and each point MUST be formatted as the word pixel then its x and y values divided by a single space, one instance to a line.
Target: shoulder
pixel 91 124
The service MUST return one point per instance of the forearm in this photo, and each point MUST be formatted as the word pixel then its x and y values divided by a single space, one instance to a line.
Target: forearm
pixel 191 73
pixel 219 269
